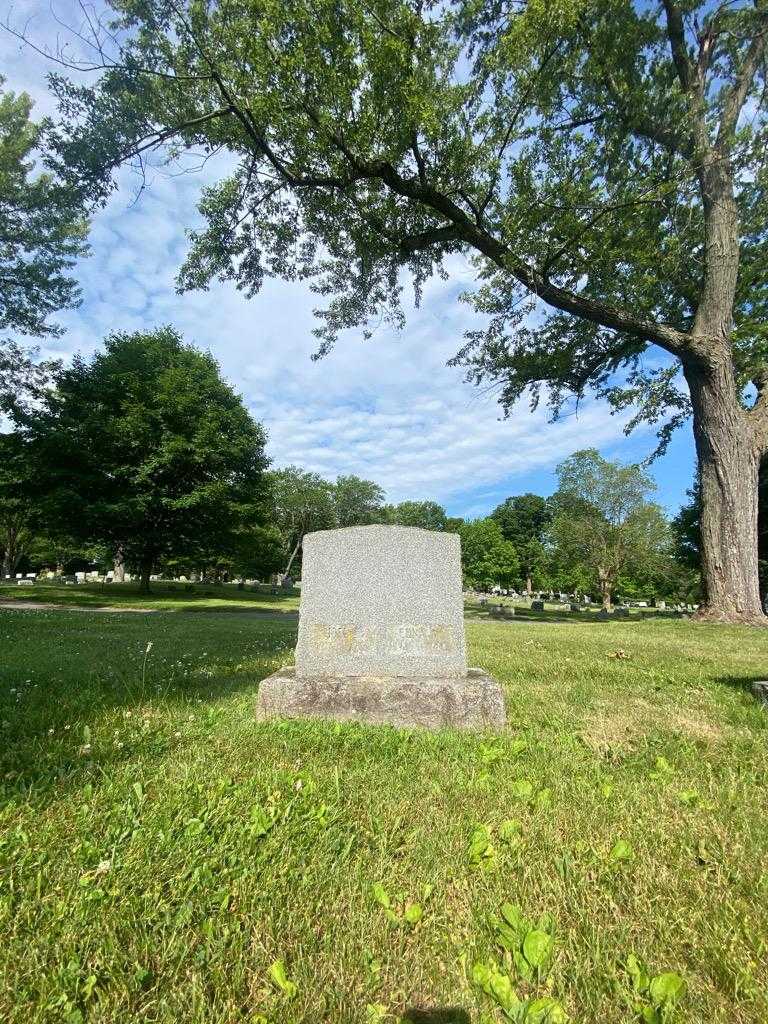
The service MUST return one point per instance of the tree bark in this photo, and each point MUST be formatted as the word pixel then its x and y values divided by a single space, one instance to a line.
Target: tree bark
pixel 605 588
pixel 118 574
pixel 729 453
pixel 528 585
pixel 13 550
pixel 293 554
pixel 146 571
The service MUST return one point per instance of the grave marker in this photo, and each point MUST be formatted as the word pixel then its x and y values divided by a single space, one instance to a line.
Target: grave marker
pixel 381 635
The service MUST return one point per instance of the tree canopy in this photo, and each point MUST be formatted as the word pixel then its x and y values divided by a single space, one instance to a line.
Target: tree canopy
pixel 147 450
pixel 487 559
pixel 524 520
pixel 357 502
pixel 603 524
pixel 42 233
pixel 427 515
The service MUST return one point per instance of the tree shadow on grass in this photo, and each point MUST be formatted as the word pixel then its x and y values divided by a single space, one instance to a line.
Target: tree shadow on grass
pixel 746 685
pixel 436 1015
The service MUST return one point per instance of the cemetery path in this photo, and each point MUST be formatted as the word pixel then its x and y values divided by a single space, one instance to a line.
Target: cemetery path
pixel 48 606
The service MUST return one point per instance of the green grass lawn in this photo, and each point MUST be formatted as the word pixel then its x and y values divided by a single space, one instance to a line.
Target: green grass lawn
pixel 160 851
pixel 164 596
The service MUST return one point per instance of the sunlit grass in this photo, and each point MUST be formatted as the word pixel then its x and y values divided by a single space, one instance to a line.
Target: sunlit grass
pixel 160 851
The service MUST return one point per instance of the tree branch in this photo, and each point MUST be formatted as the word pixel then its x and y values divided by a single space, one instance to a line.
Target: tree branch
pixel 676 34
pixel 737 93
pixel 598 312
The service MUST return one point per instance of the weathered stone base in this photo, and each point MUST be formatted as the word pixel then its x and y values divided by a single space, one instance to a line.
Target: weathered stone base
pixel 474 701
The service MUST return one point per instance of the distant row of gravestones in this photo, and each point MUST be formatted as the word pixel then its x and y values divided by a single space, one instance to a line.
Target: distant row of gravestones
pixel 538 601
pixel 28 579
pixel 503 611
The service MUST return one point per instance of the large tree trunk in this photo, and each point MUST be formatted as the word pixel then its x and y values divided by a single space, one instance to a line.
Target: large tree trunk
pixel 118 574
pixel 729 458
pixel 293 554
pixel 146 571
pixel 528 585
pixel 605 588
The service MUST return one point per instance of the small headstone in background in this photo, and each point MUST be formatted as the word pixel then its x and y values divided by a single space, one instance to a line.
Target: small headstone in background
pixel 537 606
pixel 603 615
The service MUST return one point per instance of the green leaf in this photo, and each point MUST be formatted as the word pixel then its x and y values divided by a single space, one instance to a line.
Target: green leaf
pixel 502 990
pixel 510 831
pixel 638 976
pixel 481 850
pixel 666 989
pixel 543 798
pixel 262 822
pixel 413 913
pixel 622 851
pixel 513 915
pixel 278 976
pixel 507 937
pixel 381 896
pixel 649 1015
pixel 375 1013
pixel 545 1010
pixel 537 947
pixel 522 789
pixel 522 966
pixel 481 975
pixel 86 734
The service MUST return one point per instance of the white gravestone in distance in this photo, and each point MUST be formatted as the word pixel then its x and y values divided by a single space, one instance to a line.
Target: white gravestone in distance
pixel 381 635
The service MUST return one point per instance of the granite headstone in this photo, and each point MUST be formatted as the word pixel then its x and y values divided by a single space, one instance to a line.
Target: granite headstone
pixel 381 635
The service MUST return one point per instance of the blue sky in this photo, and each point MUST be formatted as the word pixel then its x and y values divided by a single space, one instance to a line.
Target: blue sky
pixel 388 409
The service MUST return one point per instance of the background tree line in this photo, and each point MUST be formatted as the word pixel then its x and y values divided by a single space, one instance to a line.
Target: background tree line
pixel 143 458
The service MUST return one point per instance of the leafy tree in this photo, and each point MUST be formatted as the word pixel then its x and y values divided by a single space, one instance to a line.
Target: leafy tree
pixel 686 530
pixel 524 520
pixel 64 555
pixel 357 502
pixel 253 550
pixel 147 450
pixel 603 524
pixel 486 558
pixel 16 505
pixel 303 502
pixel 606 160
pixel 427 515
pixel 42 232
